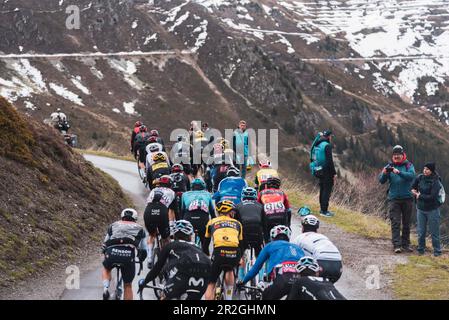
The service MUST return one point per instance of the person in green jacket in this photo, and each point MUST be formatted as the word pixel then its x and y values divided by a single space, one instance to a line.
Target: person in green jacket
pixel 400 173
pixel 241 147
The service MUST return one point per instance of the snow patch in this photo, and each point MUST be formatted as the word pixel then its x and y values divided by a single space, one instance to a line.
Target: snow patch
pixel 129 107
pixel 66 94
pixel 77 82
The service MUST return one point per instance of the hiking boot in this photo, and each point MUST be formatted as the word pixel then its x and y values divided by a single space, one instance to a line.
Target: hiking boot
pixel 327 214
pixel 407 249
pixel 421 252
pixel 437 254
pixel 397 250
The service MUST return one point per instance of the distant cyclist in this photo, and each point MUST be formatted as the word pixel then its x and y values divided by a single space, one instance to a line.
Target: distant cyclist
pixel 182 153
pixel 231 187
pixel 226 234
pixel 122 239
pixel 151 149
pixel 159 213
pixel 281 257
pixel 321 248
pixel 140 142
pixel 181 184
pixel 310 286
pixel 250 214
pixel 185 266
pixel 159 168
pixel 221 163
pixel 155 133
pixel 276 206
pixel 197 207
pixel 263 174
pixel 136 131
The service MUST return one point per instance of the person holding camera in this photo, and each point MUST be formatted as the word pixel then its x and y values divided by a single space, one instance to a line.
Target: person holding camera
pixel 400 173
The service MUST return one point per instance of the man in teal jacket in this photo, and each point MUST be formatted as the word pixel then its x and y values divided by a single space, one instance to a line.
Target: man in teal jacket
pixel 400 173
pixel 241 147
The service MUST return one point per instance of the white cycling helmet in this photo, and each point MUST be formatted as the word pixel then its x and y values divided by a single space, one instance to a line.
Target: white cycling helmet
pixel 280 229
pixel 183 226
pixel 310 220
pixel 129 212
pixel 307 262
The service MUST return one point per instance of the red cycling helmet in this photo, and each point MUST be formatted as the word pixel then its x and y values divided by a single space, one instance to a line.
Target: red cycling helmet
pixel 154 133
pixel 138 124
pixel 164 181
pixel 152 139
pixel 177 168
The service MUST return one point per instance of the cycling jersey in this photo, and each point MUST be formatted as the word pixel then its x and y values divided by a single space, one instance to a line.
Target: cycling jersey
pixel 197 200
pixel 187 269
pixel 157 170
pixel 168 195
pixel 225 232
pixel 275 253
pixel 181 182
pixel 274 201
pixel 318 246
pixel 218 173
pixel 249 212
pixel 314 288
pixel 125 232
pixel 230 188
pixel 262 176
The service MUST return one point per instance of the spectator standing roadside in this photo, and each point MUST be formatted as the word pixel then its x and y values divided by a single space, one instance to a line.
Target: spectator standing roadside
pixel 241 147
pixel 426 189
pixel 400 173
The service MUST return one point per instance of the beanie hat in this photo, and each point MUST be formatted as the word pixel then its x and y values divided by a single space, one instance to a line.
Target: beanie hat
pixel 431 166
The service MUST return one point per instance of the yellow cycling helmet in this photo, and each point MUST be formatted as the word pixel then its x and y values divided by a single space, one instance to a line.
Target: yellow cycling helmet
pixel 225 206
pixel 159 157
pixel 223 142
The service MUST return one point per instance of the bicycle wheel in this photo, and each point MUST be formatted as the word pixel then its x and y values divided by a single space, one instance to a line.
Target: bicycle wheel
pixel 119 287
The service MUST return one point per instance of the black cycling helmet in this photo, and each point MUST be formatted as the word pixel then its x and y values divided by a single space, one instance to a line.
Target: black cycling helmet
pixel 143 128
pixel 233 172
pixel 273 182
pixel 158 195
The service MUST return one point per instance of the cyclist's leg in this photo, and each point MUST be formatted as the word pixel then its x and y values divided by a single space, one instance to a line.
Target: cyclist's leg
pixel 128 274
pixel 215 273
pixel 164 228
pixel 152 226
pixel 232 260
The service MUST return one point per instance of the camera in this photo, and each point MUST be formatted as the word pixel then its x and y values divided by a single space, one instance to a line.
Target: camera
pixel 389 168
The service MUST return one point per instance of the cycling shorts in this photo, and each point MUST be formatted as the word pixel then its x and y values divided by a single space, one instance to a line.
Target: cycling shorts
pixel 253 237
pixel 156 219
pixel 331 270
pixel 185 287
pixel 198 219
pixel 281 286
pixel 122 257
pixel 224 259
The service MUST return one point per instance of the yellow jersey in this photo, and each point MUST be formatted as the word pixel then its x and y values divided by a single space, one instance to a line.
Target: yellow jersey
pixel 224 231
pixel 263 175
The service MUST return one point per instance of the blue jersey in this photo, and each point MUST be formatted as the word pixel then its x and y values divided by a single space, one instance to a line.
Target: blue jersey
pixel 230 189
pixel 197 200
pixel 274 253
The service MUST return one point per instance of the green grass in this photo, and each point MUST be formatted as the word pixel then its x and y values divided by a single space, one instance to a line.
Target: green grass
pixel 106 154
pixel 422 278
pixel 349 221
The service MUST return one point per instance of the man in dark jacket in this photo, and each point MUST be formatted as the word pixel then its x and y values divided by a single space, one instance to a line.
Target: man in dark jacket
pixel 321 153
pixel 426 189
pixel 400 174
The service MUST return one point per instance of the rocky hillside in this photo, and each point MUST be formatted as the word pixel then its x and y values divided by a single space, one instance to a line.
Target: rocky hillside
pixel 366 70
pixel 52 202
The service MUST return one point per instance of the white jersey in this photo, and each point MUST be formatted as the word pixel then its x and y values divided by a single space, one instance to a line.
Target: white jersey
pixel 58 116
pixel 167 198
pixel 318 246
pixel 150 160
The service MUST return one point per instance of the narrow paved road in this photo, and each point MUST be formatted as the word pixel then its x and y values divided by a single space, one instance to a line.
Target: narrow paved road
pixel 352 285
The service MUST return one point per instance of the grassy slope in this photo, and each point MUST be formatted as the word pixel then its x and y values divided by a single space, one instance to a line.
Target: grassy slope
pixel 423 277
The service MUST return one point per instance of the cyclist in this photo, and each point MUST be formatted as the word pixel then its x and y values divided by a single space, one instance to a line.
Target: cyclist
pixel 281 257
pixel 231 187
pixel 186 266
pixel 152 148
pixel 320 248
pixel 155 133
pixel 159 213
pixel 140 144
pixel 310 286
pixel 122 239
pixel 250 214
pixel 181 184
pixel 182 153
pixel 159 168
pixel 197 206
pixel 221 163
pixel 276 206
pixel 226 233
pixel 136 131
pixel 263 174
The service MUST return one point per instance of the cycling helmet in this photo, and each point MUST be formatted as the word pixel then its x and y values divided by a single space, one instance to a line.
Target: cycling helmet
pixel 143 128
pixel 304 211
pixel 225 206
pixel 311 220
pixel 278 230
pixel 159 157
pixel 224 143
pixel 129 213
pixel 233 172
pixel 154 133
pixel 153 147
pixel 164 181
pixel 152 139
pixel 273 182
pixel 138 124
pixel 198 184
pixel 249 193
pixel 183 226
pixel 307 262
pixel 177 167
pixel 157 195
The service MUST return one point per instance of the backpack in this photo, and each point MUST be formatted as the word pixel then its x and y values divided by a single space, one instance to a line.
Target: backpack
pixel 441 194
pixel 318 159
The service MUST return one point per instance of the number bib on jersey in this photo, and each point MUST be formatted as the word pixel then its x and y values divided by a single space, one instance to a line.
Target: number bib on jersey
pixel 198 205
